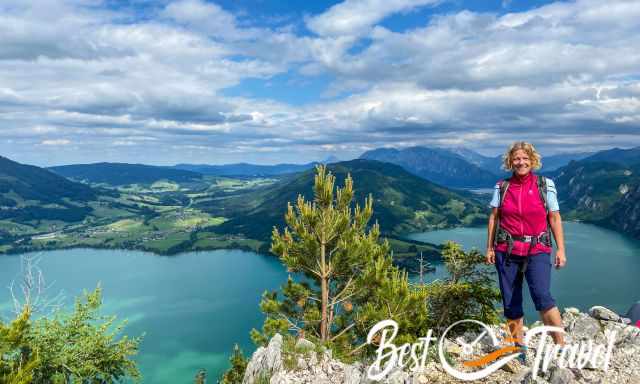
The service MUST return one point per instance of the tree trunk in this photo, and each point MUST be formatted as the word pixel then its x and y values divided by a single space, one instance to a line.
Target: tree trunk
pixel 330 311
pixel 324 334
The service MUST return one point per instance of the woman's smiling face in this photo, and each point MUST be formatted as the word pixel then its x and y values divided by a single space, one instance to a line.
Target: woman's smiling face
pixel 520 163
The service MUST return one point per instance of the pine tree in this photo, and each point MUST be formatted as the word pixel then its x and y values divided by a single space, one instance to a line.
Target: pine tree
pixel 347 283
pixel 325 240
pixel 349 280
pixel 16 362
pixel 238 362
pixel 201 377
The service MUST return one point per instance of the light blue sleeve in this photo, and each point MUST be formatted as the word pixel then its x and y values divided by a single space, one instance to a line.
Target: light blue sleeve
pixel 552 196
pixel 495 199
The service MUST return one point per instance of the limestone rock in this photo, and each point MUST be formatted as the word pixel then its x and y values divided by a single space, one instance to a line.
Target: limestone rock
pixel 353 374
pixel 513 366
pixel 397 377
pixel 264 361
pixel 584 327
pixel 304 345
pixel 572 310
pixel 602 313
pixel 523 377
pixel 561 376
pixel 322 368
pixel 279 378
pixel 452 348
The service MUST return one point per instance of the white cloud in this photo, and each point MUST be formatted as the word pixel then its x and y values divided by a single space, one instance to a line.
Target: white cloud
pixel 469 50
pixel 77 73
pixel 57 142
pixel 355 17
pixel 209 18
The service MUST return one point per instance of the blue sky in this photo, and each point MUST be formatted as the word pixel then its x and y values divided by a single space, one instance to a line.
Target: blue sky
pixel 289 88
pixel 165 82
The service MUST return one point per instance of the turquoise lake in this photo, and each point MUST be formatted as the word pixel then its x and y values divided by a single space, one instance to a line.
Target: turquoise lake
pixel 193 307
pixel 603 266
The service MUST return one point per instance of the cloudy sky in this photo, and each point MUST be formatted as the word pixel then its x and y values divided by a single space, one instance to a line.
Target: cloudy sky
pixel 266 81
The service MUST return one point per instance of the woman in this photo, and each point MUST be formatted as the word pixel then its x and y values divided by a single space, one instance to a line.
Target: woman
pixel 518 240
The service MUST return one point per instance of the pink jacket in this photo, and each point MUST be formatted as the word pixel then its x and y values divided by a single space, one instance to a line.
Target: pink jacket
pixel 523 214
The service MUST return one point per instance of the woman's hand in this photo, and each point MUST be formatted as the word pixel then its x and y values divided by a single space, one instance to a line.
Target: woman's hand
pixel 491 256
pixel 561 259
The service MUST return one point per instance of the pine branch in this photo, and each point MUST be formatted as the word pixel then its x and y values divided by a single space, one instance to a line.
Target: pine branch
pixel 342 332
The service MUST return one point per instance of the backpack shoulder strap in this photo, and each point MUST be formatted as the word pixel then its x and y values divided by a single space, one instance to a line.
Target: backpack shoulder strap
pixel 542 190
pixel 504 186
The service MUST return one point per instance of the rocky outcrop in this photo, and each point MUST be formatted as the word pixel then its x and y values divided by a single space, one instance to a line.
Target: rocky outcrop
pixel 315 367
pixel 265 362
pixel 626 215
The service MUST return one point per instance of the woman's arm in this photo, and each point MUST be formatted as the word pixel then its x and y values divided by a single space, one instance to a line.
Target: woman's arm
pixel 555 221
pixel 491 228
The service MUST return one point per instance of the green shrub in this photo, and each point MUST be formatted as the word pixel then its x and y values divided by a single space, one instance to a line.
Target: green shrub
pixel 238 362
pixel 77 347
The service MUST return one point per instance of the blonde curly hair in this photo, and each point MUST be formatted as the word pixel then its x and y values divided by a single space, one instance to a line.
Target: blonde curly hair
pixel 534 156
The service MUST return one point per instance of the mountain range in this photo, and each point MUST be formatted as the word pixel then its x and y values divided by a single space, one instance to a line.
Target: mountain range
pixel 123 173
pixel 169 221
pixel 616 155
pixel 438 165
pixel 603 188
pixel 450 167
pixel 28 192
pixel 252 170
pixel 602 192
pixel 403 202
pixel 458 167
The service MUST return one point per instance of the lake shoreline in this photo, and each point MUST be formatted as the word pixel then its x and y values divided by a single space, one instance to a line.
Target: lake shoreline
pixel 232 245
pixel 262 249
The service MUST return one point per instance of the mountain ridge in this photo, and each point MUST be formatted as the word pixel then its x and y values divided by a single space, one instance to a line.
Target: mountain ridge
pixel 123 173
pixel 438 165
pixel 245 169
pixel 603 193
pixel 403 202
pixel 28 193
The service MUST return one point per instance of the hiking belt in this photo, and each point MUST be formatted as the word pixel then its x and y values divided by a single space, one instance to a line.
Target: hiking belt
pixel 505 237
